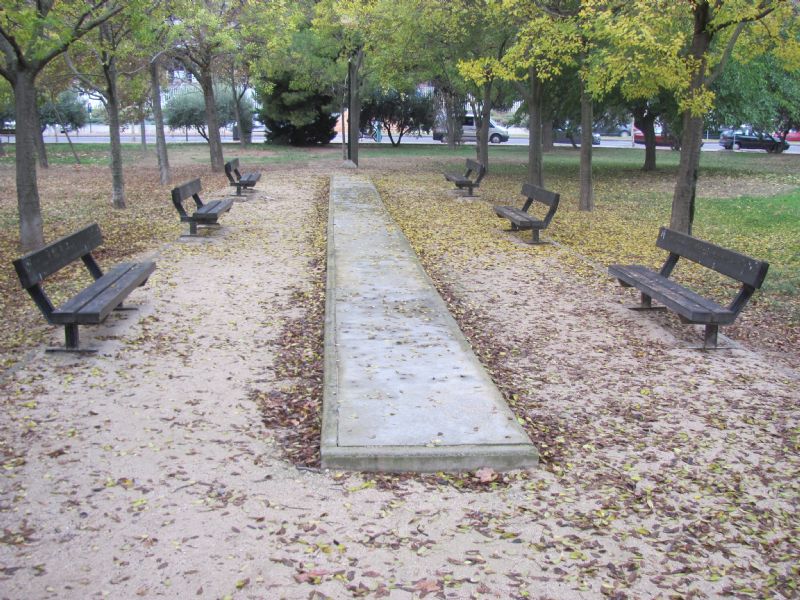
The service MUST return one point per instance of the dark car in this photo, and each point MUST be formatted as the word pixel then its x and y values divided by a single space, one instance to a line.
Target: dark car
pixel 748 139
pixel 572 136
pixel 614 131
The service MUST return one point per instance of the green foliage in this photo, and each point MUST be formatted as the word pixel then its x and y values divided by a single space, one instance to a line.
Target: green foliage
pixel 187 110
pixel 759 92
pixel 68 109
pixel 398 112
pixel 296 84
pixel 295 115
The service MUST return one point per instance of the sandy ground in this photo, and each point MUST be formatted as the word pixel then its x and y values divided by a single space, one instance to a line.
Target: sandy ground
pixel 146 470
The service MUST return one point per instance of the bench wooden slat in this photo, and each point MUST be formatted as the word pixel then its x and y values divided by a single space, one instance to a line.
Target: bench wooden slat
pixel 474 165
pixel 214 208
pixel 240 180
pixel 456 178
pixel 542 195
pixel 33 267
pixel 205 213
pixel 186 190
pixel 521 219
pixel 471 178
pixel 681 300
pixel 93 304
pixel 688 304
pixel 728 262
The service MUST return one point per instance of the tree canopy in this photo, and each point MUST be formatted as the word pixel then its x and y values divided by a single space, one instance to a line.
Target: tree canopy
pixel 684 64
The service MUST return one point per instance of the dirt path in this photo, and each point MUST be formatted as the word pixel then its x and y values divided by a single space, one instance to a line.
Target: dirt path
pixel 146 471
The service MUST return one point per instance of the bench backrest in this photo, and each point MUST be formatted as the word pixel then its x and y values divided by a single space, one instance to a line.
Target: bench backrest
pixel 190 189
pixel 473 166
pixel 744 269
pixel 534 193
pixel 231 167
pixel 35 266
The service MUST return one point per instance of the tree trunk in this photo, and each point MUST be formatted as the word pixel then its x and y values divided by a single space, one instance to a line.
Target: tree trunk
pixel 354 110
pixel 483 131
pixel 453 120
pixel 535 174
pixel 645 122
pixel 692 137
pixel 112 109
pixel 38 139
pixel 143 131
pixel 2 148
pixel 31 234
pixel 214 139
pixel 158 117
pixel 547 134
pixel 586 202
pixel 237 112
pixel 686 187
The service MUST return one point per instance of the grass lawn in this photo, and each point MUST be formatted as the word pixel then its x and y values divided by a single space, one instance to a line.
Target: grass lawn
pixel 747 201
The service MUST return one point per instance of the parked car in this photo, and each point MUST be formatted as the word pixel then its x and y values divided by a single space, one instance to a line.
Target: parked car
pixel 615 131
pixel 572 136
pixel 749 139
pixel 662 139
pixel 497 134
pixel 791 136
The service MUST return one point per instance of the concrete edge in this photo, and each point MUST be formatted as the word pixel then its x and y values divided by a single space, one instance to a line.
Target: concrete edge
pixel 330 380
pixel 398 459
pixel 406 458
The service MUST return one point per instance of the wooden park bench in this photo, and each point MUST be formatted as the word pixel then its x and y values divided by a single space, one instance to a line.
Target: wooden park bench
pixel 690 306
pixel 471 177
pixel 207 213
pixel 92 304
pixel 521 219
pixel 239 181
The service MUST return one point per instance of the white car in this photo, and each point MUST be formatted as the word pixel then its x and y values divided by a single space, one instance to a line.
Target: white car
pixel 469 132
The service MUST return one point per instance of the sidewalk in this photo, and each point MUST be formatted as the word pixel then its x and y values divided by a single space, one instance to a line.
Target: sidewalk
pixel 403 389
pixel 146 471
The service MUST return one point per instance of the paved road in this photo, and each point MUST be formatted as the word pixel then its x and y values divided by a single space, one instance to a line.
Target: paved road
pixel 709 146
pixel 99 135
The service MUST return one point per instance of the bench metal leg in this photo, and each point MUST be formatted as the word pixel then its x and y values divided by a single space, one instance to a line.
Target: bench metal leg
pixel 71 339
pixel 647 304
pixel 71 336
pixel 126 308
pixel 535 236
pixel 710 339
pixel 192 228
pixel 238 189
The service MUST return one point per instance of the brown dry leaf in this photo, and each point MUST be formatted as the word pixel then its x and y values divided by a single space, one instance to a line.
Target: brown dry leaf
pixel 486 475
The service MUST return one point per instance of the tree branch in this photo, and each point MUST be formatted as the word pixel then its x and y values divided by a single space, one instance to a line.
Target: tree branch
pixel 556 11
pixel 766 11
pixel 78 31
pixel 725 55
pixel 82 78
pixel 10 46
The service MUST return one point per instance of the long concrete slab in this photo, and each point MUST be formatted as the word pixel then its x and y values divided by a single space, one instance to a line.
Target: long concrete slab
pixel 403 390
